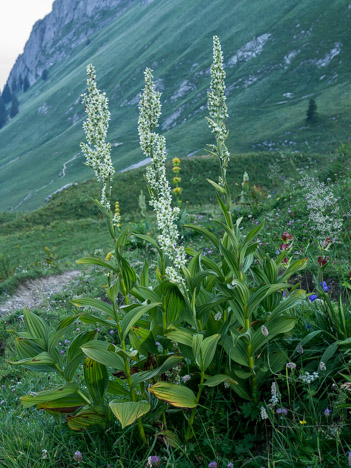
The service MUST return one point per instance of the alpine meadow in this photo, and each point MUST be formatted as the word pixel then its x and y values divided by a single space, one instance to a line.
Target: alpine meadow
pixel 175 266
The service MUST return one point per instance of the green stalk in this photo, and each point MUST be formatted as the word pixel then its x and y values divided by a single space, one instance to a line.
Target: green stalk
pixel 127 369
pixel 193 412
pixel 251 361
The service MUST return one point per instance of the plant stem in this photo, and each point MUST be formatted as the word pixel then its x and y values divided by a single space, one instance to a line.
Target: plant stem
pixel 193 412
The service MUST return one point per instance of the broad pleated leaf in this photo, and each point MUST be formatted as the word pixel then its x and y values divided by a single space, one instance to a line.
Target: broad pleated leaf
pixel 175 395
pixel 129 411
pixel 48 395
pixel 98 351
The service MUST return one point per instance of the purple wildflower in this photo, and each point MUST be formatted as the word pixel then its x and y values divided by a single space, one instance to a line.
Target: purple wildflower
pixel 324 286
pixel 313 297
pixel 154 460
pixel 327 412
pixel 282 411
pixel 78 456
pixel 230 465
pixel 112 332
pixel 213 465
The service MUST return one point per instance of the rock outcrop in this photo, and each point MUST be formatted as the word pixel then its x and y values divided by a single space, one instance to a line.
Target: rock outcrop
pixel 70 23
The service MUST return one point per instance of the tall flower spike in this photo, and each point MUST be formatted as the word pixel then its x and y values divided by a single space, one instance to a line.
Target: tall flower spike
pixel 218 108
pixel 96 151
pixel 154 147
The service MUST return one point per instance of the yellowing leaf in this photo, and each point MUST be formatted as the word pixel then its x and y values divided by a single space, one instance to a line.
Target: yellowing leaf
pixel 128 412
pixel 176 395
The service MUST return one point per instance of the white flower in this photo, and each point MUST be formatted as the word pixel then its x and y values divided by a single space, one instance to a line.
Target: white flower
pixel 218 316
pixel 263 413
pixel 308 378
pixel 264 330
pixel 154 147
pixel 274 396
pixel 322 366
pixel 218 108
pixel 96 150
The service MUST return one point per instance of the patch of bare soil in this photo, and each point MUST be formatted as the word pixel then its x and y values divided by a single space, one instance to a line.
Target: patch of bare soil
pixel 33 293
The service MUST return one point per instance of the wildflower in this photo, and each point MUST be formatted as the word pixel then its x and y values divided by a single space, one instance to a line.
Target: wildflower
pixel 111 332
pixel 327 412
pixel 218 316
pixel 62 351
pixel 274 396
pixel 299 348
pixel 346 386
pixel 44 453
pixel 313 297
pixel 154 147
pixel 284 247
pixel 286 236
pixel 230 465
pixel 186 378
pixel 308 378
pixel 117 216
pixel 176 180
pixel 282 411
pixel 303 422
pixel 323 207
pixel 212 465
pixel 324 286
pixel 322 366
pixel 78 457
pixel 285 260
pixel 177 190
pixel 175 161
pixel 154 460
pixel 264 330
pixel 263 413
pixel 322 261
pixel 218 109
pixel 96 150
pixel 176 169
pixel 291 365
pixel 108 257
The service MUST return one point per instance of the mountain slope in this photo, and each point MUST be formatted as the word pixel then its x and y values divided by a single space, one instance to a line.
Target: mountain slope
pixel 277 54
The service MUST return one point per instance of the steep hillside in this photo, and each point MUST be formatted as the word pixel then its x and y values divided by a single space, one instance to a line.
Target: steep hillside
pixel 278 55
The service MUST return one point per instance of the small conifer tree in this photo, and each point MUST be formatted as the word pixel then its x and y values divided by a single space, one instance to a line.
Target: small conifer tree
pixel 45 74
pixel 14 106
pixel 311 114
pixel 3 113
pixel 26 84
pixel 6 94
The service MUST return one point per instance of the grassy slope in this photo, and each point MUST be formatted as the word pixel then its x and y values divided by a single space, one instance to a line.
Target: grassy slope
pixel 174 38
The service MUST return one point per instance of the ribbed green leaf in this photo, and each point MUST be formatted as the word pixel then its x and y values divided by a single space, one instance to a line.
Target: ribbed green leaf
pixel 130 411
pixel 96 379
pixel 95 304
pixel 175 395
pixel 99 351
pixel 219 379
pixel 48 395
pixel 85 420
pixel 97 261
pixel 134 315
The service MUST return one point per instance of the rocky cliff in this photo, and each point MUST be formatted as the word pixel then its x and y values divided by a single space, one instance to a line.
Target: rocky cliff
pixel 70 23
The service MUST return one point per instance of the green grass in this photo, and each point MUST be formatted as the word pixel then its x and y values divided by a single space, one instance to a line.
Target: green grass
pixel 174 38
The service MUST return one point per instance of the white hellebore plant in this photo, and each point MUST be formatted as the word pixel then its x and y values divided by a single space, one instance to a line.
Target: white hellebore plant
pixel 97 152
pixel 154 147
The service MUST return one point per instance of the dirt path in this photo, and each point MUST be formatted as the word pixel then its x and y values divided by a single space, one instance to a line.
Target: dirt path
pixel 33 293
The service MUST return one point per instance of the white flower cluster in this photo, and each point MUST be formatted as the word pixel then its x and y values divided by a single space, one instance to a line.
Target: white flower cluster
pixel 154 147
pixel 97 152
pixel 308 378
pixel 324 211
pixel 274 400
pixel 217 106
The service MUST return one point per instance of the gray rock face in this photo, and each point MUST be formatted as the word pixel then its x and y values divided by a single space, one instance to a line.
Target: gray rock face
pixel 70 23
